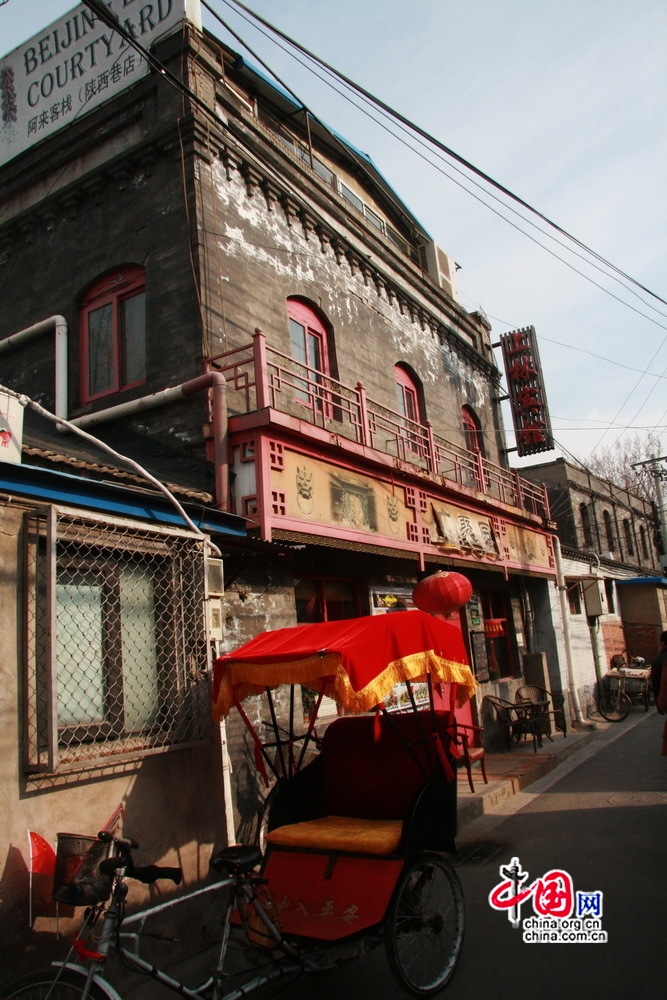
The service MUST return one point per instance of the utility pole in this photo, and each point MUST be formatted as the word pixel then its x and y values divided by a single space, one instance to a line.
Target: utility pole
pixel 659 475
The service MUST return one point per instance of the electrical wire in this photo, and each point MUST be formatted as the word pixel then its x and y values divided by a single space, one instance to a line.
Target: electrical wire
pixel 26 401
pixel 609 425
pixel 110 19
pixel 432 141
pixel 459 184
pixel 390 112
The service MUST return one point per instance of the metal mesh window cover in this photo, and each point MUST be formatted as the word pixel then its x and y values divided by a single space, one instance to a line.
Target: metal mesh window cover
pixel 116 660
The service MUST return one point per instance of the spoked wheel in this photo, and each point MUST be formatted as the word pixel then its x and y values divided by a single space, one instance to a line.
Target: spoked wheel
pixel 614 706
pixel 49 985
pixel 424 932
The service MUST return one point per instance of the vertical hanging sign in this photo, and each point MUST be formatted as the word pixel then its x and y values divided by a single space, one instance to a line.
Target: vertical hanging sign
pixel 530 412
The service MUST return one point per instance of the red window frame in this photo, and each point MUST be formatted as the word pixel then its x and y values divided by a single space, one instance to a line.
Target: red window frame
pixel 472 431
pixel 408 395
pixel 314 354
pixel 113 291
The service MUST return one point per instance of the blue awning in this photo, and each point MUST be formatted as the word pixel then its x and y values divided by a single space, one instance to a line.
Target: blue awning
pixel 50 486
pixel 657 581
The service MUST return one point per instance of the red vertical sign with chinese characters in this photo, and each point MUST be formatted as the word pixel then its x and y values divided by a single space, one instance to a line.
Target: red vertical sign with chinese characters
pixel 526 391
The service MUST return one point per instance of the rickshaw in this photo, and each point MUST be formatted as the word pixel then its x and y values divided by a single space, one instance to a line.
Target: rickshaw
pixel 353 840
pixel 354 832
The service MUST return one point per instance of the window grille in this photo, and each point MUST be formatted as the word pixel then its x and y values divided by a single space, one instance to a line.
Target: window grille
pixel 116 659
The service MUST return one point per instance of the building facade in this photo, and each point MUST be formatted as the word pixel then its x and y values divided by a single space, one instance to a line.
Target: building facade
pixel 616 596
pixel 213 278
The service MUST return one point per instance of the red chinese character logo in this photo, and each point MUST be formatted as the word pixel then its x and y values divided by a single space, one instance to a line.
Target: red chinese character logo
pixel 553 894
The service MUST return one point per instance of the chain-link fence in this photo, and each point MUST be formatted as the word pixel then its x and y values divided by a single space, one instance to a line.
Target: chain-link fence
pixel 115 640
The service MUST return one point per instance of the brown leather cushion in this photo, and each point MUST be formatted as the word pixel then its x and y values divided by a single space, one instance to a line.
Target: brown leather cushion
pixel 341 833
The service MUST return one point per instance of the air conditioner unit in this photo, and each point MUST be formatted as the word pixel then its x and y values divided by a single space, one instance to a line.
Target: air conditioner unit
pixel 440 267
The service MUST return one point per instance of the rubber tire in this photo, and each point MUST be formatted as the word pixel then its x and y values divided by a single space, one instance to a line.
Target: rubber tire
pixel 425 926
pixel 36 986
pixel 615 706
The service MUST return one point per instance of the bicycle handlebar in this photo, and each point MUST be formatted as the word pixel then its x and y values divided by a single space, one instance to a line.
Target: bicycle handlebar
pixel 147 874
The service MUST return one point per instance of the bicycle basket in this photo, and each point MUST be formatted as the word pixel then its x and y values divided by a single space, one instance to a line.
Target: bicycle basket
pixel 258 932
pixel 76 879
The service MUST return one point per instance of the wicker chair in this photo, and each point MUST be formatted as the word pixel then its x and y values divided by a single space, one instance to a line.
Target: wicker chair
pixel 555 709
pixel 516 721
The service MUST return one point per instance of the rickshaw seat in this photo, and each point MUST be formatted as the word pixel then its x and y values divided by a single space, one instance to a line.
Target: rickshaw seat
pixel 341 833
pixel 367 788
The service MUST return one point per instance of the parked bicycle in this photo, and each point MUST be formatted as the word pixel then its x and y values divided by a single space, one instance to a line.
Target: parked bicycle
pixel 352 860
pixel 626 684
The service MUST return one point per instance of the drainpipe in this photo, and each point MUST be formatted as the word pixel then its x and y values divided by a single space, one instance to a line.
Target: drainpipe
pixel 215 381
pixel 227 793
pixel 59 323
pixel 562 590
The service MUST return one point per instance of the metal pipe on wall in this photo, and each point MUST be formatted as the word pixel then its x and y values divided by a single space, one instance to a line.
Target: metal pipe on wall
pixel 59 324
pixel 216 382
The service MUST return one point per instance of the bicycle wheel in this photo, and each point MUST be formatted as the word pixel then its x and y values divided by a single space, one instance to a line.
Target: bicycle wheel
pixel 424 931
pixel 50 985
pixel 614 706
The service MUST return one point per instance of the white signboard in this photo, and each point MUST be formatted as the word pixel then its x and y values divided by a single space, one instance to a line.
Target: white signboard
pixel 11 428
pixel 75 65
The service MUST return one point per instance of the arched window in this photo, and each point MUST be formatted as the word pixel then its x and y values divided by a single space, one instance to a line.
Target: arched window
pixel 472 430
pixel 308 346
pixel 609 530
pixel 586 523
pixel 113 334
pixel 627 531
pixel 407 394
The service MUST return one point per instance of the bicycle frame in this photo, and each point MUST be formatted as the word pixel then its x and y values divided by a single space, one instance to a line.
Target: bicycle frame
pixel 241 893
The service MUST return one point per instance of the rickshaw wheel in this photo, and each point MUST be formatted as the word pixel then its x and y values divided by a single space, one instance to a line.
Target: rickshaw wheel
pixel 425 928
pixel 615 706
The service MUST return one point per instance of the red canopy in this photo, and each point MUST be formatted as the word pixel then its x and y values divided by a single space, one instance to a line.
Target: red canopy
pixel 356 661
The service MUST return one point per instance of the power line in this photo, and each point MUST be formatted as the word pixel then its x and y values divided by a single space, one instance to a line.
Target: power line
pixel 433 141
pixel 420 132
pixel 98 7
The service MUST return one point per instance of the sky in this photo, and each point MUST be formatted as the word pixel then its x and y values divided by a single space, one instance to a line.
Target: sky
pixel 563 104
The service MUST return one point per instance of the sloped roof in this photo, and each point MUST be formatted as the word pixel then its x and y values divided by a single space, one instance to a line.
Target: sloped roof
pixel 273 91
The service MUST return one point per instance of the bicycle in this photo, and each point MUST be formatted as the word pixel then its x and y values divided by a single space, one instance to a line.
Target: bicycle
pixel 350 860
pixel 84 979
pixel 247 906
pixel 626 684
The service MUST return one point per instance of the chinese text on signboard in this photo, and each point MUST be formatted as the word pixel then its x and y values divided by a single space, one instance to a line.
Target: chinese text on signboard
pixel 526 391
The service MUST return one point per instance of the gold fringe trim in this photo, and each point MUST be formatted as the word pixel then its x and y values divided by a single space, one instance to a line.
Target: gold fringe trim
pixel 325 674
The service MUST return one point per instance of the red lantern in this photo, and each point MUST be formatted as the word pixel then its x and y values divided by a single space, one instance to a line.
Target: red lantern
pixel 442 592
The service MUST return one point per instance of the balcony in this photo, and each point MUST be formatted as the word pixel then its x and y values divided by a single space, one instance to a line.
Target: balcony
pixel 260 377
